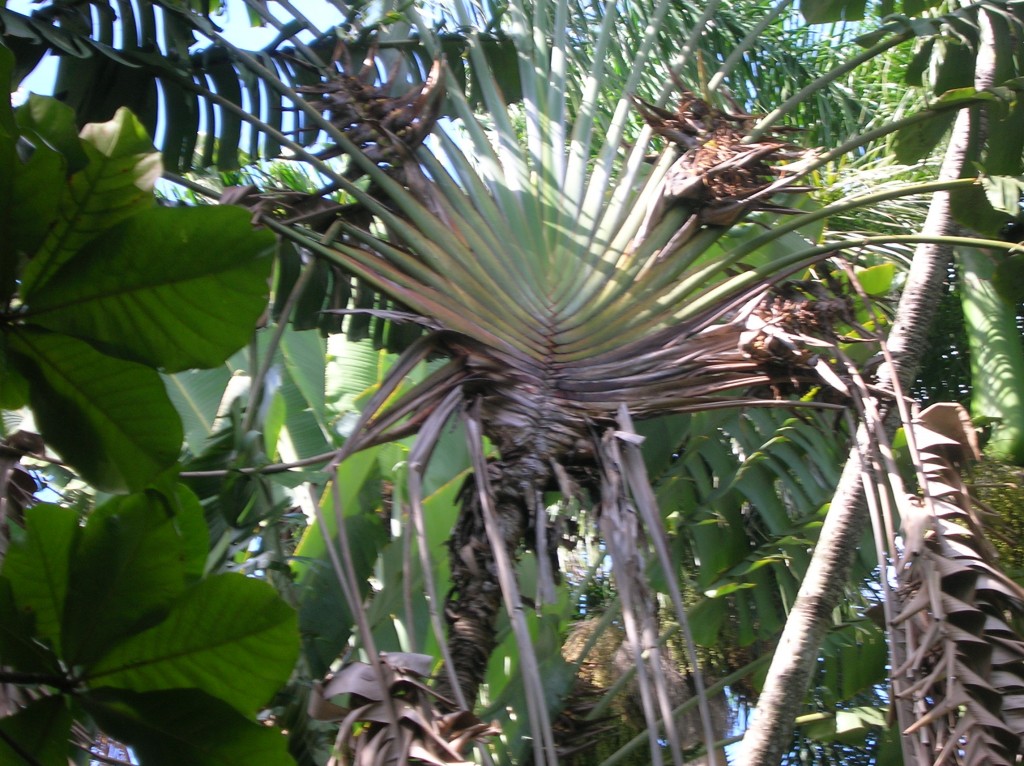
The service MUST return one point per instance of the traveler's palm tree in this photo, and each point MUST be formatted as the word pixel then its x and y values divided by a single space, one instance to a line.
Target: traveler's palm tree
pixel 599 251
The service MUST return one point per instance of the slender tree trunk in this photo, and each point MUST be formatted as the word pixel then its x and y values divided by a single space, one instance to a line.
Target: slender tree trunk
pixel 771 731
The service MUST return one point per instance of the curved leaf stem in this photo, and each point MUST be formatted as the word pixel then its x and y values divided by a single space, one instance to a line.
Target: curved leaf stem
pixel 419 457
pixel 256 387
pixel 640 487
pixel 340 553
pixel 716 688
pixel 543 739
pixel 823 81
pixel 741 49
pixel 323 457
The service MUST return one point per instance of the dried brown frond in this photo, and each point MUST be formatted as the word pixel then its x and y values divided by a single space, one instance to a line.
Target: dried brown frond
pixel 719 175
pixel 386 127
pixel 399 723
pixel 790 332
pixel 960 661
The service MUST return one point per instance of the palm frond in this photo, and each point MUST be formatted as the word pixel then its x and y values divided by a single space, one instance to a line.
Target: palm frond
pixel 960 665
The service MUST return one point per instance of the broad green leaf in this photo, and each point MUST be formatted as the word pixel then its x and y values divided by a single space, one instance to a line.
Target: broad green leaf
pixel 7 126
pixel 13 386
pixel 997 359
pixel 847 726
pixel 505 678
pixel 185 726
pixel 230 636
pixel 305 361
pixel 862 661
pixel 953 67
pixel 916 141
pixel 37 565
pixel 325 614
pixel 1004 148
pixel 1003 193
pixel 727 590
pixel 110 419
pixel 273 421
pixel 53 122
pixel 352 368
pixel 972 208
pixel 40 731
pixel 188 298
pixel 355 472
pixel 129 567
pixel 124 137
pixel 196 395
pixel 440 510
pixel 19 649
pixel 117 183
pixel 919 63
pixel 706 620
pixel 38 184
pixel 191 527
pixel 966 96
pixel 877 280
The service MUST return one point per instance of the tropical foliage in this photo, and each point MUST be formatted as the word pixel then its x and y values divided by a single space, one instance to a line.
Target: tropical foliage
pixel 599 320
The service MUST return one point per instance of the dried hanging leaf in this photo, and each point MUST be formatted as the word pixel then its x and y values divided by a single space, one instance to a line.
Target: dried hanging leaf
pixel 960 664
pixel 388 713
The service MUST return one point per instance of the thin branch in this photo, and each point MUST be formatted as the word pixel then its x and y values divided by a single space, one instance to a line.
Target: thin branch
pixel 323 457
pixel 259 379
pixel 36 679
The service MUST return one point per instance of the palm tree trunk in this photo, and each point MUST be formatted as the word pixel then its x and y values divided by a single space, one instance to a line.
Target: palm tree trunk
pixel 472 606
pixel 771 731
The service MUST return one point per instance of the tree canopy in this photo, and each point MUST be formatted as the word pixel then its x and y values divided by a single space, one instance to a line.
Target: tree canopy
pixel 507 384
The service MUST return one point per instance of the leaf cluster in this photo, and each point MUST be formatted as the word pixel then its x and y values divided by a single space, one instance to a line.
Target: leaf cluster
pixel 114 626
pixel 101 288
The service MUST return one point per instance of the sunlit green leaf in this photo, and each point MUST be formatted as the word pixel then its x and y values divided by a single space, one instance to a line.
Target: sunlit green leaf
pixel 1003 193
pixel 877 280
pixel 53 122
pixel 230 636
pixel 116 184
pixel 129 567
pixel 110 419
pixel 37 565
pixel 304 355
pixel 189 298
